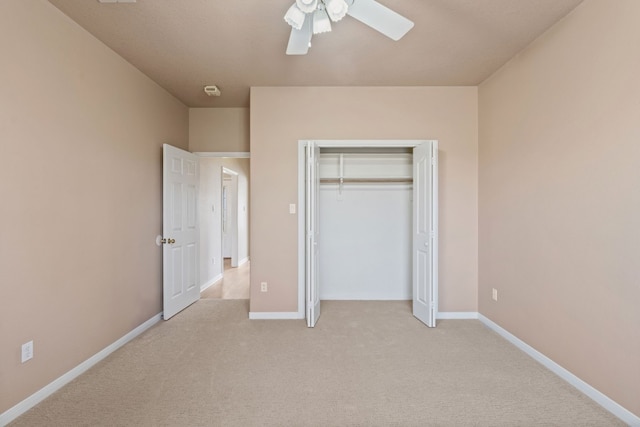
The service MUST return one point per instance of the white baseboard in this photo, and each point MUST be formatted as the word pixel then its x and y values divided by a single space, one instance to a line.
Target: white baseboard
pixel 37 397
pixel 211 282
pixel 282 315
pixel 243 261
pixel 466 315
pixel 600 398
pixel 296 315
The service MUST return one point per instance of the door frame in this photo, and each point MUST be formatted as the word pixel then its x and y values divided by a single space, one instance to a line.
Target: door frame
pixel 358 143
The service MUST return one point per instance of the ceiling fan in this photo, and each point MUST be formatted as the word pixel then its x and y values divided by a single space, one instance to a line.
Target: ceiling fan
pixel 308 17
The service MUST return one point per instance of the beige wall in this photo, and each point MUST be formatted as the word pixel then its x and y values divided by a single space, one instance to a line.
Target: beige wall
pixel 219 130
pixel 282 116
pixel 559 199
pixel 81 133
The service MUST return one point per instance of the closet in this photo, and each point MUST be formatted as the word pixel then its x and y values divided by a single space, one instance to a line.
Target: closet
pixel 365 222
pixel 368 223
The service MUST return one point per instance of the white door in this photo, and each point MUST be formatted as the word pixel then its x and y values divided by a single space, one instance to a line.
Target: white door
pixel 312 233
pixel 226 217
pixel 425 226
pixel 180 230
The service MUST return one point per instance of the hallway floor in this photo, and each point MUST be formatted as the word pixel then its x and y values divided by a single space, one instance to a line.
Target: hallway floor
pixel 234 284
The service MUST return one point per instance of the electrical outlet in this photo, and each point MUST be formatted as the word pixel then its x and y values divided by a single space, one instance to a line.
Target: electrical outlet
pixel 263 286
pixel 292 208
pixel 27 351
pixel 213 261
pixel 494 294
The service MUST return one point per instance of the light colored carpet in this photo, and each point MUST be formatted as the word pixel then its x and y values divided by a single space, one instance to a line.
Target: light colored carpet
pixel 365 364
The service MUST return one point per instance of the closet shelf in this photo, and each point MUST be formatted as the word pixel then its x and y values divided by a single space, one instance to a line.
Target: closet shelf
pixel 389 180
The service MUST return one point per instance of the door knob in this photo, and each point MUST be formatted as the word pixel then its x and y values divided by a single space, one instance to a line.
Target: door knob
pixel 169 241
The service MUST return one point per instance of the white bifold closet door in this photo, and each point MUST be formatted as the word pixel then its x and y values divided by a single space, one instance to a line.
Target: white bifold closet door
pixel 425 225
pixel 312 233
pixel 424 243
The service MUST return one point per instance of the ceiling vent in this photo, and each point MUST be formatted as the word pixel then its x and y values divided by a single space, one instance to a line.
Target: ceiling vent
pixel 212 90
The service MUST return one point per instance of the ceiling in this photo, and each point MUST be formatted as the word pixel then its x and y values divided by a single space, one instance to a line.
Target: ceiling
pixel 184 45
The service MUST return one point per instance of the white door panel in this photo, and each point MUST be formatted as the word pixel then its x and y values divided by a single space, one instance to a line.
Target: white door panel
pixel 226 219
pixel 424 232
pixel 312 233
pixel 180 230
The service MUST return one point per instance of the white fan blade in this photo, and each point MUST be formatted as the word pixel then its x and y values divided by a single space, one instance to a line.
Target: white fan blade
pixel 299 40
pixel 380 18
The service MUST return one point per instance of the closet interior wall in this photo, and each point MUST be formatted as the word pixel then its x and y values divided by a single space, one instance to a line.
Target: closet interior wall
pixel 365 220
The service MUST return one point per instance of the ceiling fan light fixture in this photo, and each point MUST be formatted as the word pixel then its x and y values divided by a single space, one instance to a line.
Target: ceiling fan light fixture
pixel 295 17
pixel 307 6
pixel 337 9
pixel 321 22
pixel 322 12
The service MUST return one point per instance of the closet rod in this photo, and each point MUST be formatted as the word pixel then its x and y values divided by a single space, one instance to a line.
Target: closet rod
pixel 365 180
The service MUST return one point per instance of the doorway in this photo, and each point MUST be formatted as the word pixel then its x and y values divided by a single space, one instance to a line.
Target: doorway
pixel 224 226
pixel 424 243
